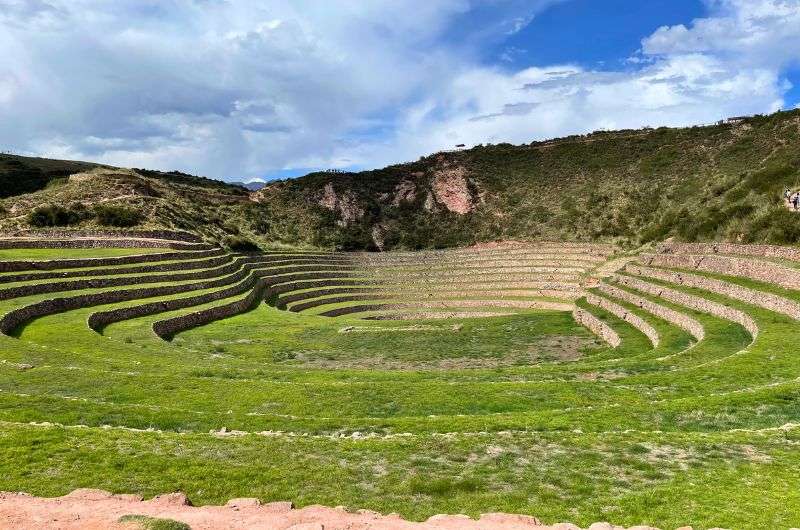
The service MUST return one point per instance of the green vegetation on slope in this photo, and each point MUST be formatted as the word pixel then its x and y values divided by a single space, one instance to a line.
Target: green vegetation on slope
pixel 719 182
pixel 699 183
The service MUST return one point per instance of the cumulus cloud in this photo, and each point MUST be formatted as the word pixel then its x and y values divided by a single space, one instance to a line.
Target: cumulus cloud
pixel 231 88
pixel 730 63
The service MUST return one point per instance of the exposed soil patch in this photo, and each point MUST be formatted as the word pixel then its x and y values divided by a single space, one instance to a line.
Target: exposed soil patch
pixel 538 350
pixel 87 509
pixel 561 348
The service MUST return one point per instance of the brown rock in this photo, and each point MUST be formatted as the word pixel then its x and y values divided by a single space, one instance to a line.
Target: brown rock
pixel 509 519
pixel 128 497
pixel 171 499
pixel 244 502
pixel 278 507
pixel 88 494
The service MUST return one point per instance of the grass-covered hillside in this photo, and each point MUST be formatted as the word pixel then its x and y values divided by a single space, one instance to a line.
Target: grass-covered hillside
pixel 701 183
pixel 39 193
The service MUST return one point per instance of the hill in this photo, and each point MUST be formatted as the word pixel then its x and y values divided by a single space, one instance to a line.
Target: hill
pixel 721 182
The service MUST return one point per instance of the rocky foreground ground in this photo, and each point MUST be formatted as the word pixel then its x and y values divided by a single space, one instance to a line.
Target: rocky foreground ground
pixel 88 509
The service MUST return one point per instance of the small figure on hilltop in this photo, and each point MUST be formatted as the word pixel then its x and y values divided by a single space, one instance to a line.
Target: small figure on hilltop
pixel 791 199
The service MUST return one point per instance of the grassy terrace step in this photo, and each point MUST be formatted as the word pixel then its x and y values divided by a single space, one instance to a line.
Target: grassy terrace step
pixel 422 260
pixel 695 302
pixel 118 270
pixel 731 249
pixel 98 258
pixel 682 320
pixel 623 313
pixel 435 304
pixel 772 302
pixel 754 269
pixel 92 243
pixel 114 277
pixel 24 313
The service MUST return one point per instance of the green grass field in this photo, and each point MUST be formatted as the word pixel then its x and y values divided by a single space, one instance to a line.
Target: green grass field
pixel 70 253
pixel 524 412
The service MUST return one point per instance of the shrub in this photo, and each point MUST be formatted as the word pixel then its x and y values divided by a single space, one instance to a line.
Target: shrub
pixel 241 244
pixel 117 216
pixel 46 216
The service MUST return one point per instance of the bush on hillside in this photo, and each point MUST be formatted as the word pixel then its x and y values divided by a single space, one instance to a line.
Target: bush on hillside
pixel 241 244
pixel 48 216
pixel 117 216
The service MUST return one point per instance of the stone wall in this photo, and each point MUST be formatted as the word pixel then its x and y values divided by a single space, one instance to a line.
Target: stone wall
pixel 208 263
pixel 681 320
pixel 56 264
pixel 694 302
pixel 171 235
pixel 596 326
pixel 392 259
pixel 623 314
pixel 101 243
pixel 762 299
pixel 763 271
pixel 17 317
pixel 97 321
pixel 119 281
pixel 166 329
pixel 768 251
pixel 297 285
pixel 450 304
pixel 296 308
pixel 283 301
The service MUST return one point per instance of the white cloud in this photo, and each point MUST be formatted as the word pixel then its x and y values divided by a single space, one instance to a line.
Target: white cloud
pixel 730 63
pixel 231 88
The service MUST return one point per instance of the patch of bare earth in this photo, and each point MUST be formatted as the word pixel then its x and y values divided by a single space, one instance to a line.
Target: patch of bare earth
pixel 542 349
pixel 87 509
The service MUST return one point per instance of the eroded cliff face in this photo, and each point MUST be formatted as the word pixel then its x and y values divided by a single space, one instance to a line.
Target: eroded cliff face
pixel 453 190
pixel 345 204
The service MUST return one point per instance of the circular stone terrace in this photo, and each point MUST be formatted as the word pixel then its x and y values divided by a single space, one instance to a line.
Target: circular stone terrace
pixel 563 380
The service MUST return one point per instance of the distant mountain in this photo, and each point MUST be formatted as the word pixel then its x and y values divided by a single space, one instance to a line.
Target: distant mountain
pixel 721 182
pixel 252 186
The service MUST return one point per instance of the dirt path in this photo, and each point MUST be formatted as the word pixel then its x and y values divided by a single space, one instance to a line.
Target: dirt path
pixel 87 509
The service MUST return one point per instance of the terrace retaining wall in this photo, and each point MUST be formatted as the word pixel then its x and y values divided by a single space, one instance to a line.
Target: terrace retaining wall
pixel 786 277
pixel 55 264
pixel 100 243
pixel 166 329
pixel 98 321
pixel 622 313
pixel 518 304
pixel 694 302
pixel 767 251
pixel 683 321
pixel 596 326
pixel 171 235
pixel 769 301
pixel 163 267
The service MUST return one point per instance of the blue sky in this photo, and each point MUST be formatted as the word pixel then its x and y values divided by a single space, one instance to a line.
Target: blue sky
pixel 256 90
pixel 595 34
